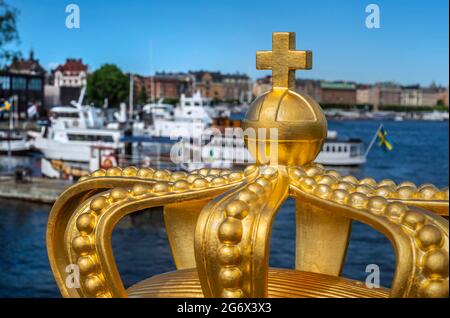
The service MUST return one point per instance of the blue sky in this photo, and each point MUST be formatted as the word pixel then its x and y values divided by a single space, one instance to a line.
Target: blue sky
pixel 143 36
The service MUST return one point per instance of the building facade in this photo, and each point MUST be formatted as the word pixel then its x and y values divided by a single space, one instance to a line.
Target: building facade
pixel 68 78
pixel 338 93
pixel 24 78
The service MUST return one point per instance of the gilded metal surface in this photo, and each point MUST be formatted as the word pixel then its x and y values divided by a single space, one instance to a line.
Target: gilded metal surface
pixel 219 222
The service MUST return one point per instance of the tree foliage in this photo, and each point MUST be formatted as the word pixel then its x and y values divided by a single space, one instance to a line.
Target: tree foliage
pixel 8 32
pixel 108 82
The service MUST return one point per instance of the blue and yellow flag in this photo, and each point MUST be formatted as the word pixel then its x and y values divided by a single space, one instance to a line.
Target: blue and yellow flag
pixel 383 140
pixel 6 106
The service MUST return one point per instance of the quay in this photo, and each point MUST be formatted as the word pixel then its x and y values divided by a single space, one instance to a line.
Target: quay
pixel 35 189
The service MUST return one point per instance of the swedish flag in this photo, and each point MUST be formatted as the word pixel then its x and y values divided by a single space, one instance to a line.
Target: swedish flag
pixel 383 140
pixel 6 105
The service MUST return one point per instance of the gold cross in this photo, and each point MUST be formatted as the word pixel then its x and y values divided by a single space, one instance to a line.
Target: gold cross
pixel 283 60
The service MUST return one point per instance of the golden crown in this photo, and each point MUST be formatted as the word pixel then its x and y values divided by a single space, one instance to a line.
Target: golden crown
pixel 219 221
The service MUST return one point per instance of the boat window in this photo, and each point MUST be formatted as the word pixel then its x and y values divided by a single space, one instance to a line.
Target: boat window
pixel 339 149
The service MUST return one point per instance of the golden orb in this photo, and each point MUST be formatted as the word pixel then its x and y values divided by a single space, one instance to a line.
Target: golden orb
pixel 292 122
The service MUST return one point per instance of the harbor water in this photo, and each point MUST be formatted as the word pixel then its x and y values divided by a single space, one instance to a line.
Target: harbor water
pixel 140 244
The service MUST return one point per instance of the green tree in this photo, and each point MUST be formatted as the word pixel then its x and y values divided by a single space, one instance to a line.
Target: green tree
pixel 8 32
pixel 142 98
pixel 108 82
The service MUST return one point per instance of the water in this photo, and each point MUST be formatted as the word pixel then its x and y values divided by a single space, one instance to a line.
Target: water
pixel 140 244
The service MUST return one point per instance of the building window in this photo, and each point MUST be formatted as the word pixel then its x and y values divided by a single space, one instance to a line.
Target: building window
pixel 4 82
pixel 19 83
pixel 35 84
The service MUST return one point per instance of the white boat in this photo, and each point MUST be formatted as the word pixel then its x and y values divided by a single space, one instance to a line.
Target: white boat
pixel 14 142
pixel 188 120
pixel 229 151
pixel 69 139
pixel 435 116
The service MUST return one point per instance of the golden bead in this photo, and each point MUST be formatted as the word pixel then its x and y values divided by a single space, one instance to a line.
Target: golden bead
pixel 209 178
pixel 366 189
pixel 435 264
pixel 203 172
pixel 270 173
pixel 396 211
pixel 434 289
pixel 414 220
pixel 190 178
pixel 377 204
pixel 308 183
pixel 230 277
pixel 350 179
pixel 445 192
pixel 427 192
pixel 232 293
pixel 181 185
pixel 407 184
pixel 200 183
pixel 406 192
pixel 313 171
pixel 339 196
pixel 384 191
pixel 250 169
pixel 326 179
pixel 387 183
pixel 230 231
pixel 145 172
pixel 82 244
pixel 225 172
pixel 256 188
pixel 368 181
pixel 114 172
pixel 218 181
pixel 99 173
pixel 178 175
pixel 333 173
pixel 297 173
pixel 347 186
pixel 357 200
pixel 237 209
pixel 161 175
pixel 86 223
pixel 214 172
pixel 323 191
pixel 229 255
pixel 264 183
pixel 98 204
pixel 118 194
pixel 86 265
pixel 429 237
pixel 130 171
pixel 161 187
pixel 235 176
pixel 93 284
pixel 247 196
pixel 140 189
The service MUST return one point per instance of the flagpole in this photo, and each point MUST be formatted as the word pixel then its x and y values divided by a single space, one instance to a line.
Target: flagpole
pixel 373 140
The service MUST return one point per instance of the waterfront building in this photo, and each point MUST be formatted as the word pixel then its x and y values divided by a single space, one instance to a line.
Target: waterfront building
pixel 339 93
pixel 24 78
pixel 68 78
pixel 385 94
pixel 224 87
pixel 363 93
pixel 411 96
pixel 309 87
pixel 162 85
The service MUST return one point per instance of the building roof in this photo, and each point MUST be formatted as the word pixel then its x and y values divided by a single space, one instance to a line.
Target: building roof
pixel 338 85
pixel 29 66
pixel 72 66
